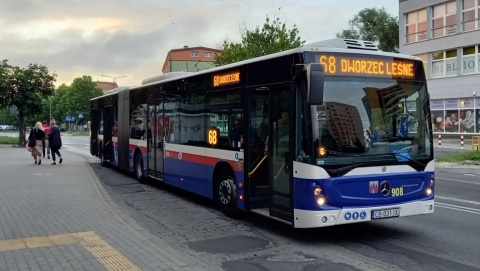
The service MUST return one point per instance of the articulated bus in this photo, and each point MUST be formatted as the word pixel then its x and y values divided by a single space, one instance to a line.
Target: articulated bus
pixel 331 133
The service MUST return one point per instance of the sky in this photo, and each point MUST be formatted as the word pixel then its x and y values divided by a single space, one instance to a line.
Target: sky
pixel 128 40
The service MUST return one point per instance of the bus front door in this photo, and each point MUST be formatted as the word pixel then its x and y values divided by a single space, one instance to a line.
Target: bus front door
pixel 281 201
pixel 269 151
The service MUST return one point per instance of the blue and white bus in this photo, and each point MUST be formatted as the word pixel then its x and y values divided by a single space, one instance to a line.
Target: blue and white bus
pixel 331 133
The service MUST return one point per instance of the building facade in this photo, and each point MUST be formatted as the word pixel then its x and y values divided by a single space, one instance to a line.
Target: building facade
pixel 446 36
pixel 190 59
pixel 105 86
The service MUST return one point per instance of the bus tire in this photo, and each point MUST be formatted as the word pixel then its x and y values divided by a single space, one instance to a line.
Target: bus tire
pixel 226 195
pixel 138 167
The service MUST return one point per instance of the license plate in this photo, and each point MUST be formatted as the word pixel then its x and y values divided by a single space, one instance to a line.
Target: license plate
pixel 385 213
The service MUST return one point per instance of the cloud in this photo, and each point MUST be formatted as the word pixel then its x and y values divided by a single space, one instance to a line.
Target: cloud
pixel 132 37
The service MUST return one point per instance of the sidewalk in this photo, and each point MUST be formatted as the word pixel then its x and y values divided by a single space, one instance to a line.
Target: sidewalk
pixel 59 218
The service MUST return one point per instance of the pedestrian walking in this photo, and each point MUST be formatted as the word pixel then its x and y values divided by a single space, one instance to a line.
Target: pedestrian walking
pixel 55 141
pixel 46 129
pixel 36 137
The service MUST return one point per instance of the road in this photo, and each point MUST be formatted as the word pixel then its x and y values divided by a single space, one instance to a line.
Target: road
pixel 446 240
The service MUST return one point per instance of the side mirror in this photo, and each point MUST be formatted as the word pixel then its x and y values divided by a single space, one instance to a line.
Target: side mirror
pixel 315 83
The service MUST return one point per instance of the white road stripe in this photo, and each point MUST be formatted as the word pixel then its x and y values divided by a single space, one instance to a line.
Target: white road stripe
pixel 458 208
pixel 458 181
pixel 458 200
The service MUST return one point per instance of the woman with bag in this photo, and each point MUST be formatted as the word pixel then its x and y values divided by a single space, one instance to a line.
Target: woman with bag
pixel 55 141
pixel 35 140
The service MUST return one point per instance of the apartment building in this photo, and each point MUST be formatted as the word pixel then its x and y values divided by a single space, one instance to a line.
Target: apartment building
pixel 190 59
pixel 446 36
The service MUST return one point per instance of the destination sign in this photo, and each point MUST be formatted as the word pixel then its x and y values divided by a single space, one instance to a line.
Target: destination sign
pixel 213 136
pixel 226 78
pixel 348 65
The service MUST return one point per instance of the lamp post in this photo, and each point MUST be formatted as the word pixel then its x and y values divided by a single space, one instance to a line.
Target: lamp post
pixel 113 78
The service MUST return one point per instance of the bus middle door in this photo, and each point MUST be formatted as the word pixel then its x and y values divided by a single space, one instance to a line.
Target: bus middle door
pixel 107 135
pixel 155 136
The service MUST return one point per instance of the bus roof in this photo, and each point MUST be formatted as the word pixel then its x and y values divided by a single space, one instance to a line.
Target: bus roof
pixel 336 45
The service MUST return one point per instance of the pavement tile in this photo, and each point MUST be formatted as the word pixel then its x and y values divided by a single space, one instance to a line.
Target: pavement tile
pixel 44 208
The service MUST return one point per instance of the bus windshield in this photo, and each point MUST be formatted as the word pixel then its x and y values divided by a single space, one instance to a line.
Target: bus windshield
pixel 374 121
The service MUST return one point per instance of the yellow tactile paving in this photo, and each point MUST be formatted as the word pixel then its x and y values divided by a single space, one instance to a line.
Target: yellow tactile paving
pixel 111 258
pixel 15 244
pixel 35 242
pixel 106 254
pixel 62 239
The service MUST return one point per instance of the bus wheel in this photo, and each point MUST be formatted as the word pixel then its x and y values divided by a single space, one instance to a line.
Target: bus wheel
pixel 138 167
pixel 226 195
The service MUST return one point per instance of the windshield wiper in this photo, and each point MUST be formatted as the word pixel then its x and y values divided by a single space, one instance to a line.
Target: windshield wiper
pixel 342 153
pixel 345 168
pixel 399 138
pixel 395 154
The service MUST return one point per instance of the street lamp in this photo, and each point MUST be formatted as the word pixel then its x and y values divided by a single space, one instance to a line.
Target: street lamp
pixel 113 78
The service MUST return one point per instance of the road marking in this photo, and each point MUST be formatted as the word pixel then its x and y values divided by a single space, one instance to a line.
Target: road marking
pixel 458 200
pixel 458 208
pixel 106 254
pixel 458 181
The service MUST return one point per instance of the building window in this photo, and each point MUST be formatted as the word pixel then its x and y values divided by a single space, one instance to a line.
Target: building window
pixel 424 58
pixel 207 54
pixel 444 63
pixel 195 54
pixel 471 59
pixel 416 26
pixel 471 13
pixel 444 19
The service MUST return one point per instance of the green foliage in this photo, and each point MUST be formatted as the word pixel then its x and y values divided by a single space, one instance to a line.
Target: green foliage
pixel 75 98
pixel 6 117
pixel 79 133
pixel 8 140
pixel 272 38
pixel 375 25
pixel 461 157
pixel 25 88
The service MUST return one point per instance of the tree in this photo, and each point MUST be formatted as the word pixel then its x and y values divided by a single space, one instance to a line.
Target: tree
pixel 75 98
pixel 272 38
pixel 82 90
pixel 25 88
pixel 375 25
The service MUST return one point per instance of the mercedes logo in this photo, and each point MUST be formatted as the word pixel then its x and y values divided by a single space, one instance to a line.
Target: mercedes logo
pixel 384 169
pixel 385 188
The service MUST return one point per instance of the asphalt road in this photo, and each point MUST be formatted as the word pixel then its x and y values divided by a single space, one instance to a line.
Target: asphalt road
pixel 447 240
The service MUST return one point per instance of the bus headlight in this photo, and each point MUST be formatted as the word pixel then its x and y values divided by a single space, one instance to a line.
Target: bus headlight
pixel 321 200
pixel 317 191
pixel 432 182
pixel 428 191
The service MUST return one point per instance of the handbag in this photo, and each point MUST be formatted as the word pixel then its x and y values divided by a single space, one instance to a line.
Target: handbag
pixel 30 149
pixel 32 140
